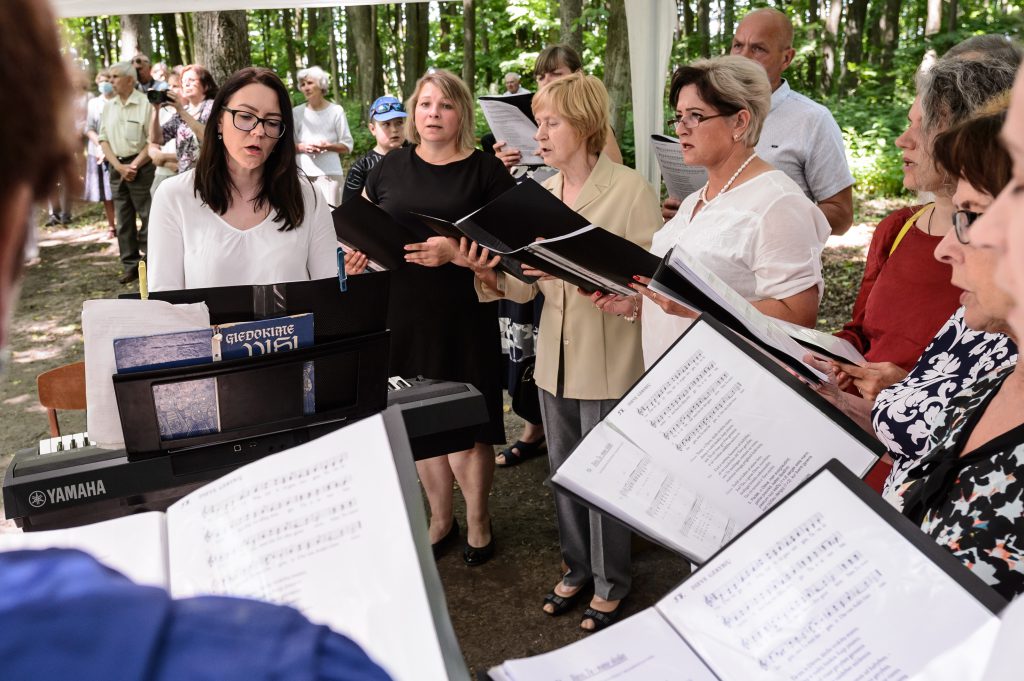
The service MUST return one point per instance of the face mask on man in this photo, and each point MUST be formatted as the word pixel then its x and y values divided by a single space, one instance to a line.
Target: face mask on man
pixel 106 88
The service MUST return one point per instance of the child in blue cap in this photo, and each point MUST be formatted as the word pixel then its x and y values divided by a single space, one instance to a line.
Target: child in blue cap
pixel 386 122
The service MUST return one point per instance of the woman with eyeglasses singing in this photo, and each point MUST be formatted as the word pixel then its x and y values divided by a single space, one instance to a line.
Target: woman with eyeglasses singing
pixel 243 214
pixel 750 224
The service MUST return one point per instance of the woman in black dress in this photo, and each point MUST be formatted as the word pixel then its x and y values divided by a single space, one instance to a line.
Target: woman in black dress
pixel 438 329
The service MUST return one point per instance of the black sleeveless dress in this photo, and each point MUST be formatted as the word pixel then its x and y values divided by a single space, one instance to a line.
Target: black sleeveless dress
pixel 438 328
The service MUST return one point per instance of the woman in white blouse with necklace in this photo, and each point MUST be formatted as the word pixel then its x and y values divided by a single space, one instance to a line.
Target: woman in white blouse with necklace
pixel 750 224
pixel 243 215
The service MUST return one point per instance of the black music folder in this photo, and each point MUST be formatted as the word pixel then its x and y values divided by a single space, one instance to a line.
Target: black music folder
pixel 570 248
pixel 832 583
pixel 364 226
pixel 707 440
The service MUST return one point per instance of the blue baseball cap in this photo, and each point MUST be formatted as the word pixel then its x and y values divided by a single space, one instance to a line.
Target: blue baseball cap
pixel 387 107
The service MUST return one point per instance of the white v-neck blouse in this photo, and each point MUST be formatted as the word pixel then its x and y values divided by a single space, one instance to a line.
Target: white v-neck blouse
pixel 190 246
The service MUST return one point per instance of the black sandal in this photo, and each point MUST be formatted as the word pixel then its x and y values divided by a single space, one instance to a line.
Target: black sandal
pixel 601 620
pixel 520 452
pixel 562 604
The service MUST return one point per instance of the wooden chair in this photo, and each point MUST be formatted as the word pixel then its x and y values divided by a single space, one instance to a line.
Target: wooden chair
pixel 61 388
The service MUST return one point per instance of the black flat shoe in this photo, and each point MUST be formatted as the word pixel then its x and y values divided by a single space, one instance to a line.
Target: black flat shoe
pixel 442 545
pixel 478 555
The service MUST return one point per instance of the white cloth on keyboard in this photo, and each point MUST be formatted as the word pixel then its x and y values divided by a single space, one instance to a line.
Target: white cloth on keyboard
pixel 102 322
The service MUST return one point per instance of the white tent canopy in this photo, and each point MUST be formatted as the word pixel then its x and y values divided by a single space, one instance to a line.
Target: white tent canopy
pixel 651 24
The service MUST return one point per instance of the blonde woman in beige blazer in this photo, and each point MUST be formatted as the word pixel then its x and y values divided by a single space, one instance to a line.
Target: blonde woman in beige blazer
pixel 586 360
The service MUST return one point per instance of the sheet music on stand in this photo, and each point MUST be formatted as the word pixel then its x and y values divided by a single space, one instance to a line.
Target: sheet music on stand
pixel 508 121
pixel 681 180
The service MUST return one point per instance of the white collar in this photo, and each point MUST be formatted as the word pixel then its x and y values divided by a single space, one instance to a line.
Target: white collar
pixel 780 95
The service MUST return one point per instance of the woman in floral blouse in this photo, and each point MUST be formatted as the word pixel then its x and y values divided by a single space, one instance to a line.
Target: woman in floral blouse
pixel 191 111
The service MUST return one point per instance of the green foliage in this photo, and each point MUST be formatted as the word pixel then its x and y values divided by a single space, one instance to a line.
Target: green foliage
pixel 870 125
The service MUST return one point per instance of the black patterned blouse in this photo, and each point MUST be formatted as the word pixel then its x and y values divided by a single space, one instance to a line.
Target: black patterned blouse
pixel 973 505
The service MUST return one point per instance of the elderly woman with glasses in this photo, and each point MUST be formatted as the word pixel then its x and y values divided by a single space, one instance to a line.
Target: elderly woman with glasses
pixel 750 224
pixel 243 214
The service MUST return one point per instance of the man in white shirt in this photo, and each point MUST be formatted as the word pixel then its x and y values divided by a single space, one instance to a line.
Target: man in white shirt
pixel 800 137
pixel 512 86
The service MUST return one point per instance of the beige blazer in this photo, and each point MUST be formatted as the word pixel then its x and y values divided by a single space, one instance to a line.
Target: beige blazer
pixel 601 352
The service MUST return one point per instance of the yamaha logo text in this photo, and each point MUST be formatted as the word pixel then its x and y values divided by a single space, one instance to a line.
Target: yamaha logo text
pixel 57 495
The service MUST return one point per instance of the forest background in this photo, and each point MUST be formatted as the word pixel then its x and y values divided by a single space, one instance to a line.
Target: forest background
pixel 858 57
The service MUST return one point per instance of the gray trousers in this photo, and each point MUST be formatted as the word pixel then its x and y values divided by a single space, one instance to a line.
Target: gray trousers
pixel 593 545
pixel 131 199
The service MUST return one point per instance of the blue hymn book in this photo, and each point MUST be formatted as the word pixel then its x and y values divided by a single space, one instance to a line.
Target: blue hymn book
pixel 264 336
pixel 184 408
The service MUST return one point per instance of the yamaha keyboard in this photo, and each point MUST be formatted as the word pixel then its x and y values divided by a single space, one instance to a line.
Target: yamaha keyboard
pixel 84 484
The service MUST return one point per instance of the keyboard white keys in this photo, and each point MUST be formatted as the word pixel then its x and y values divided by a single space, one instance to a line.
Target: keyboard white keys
pixel 53 445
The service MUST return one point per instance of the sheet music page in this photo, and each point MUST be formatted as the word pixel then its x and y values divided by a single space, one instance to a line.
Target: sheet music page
pixel 102 322
pixel 640 648
pixel 681 180
pixel 135 545
pixel 758 323
pixel 726 426
pixel 321 527
pixel 613 473
pixel 508 123
pixel 834 344
pixel 822 589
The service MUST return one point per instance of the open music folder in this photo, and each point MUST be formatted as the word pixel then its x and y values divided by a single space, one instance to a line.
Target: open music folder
pixel 334 528
pixel 707 440
pixel 570 248
pixel 681 180
pixel 831 584
pixel 364 226
pixel 692 284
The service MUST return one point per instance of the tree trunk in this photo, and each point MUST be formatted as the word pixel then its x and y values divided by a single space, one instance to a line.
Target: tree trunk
pixel 170 27
pixel 729 21
pixel 469 44
pixel 332 50
pixel 890 41
pixel 134 35
pixel 185 24
pixel 447 13
pixel 222 42
pixel 289 46
pixel 616 65
pixel 569 14
pixel 813 35
pixel 417 35
pixel 351 60
pixel 264 17
pixel 362 24
pixel 835 15
pixel 312 38
pixel 704 27
pixel 853 48
pixel 933 22
pixel 951 19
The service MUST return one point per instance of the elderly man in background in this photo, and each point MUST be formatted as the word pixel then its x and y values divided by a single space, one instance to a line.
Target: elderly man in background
pixel 124 137
pixel 800 137
pixel 145 80
pixel 512 86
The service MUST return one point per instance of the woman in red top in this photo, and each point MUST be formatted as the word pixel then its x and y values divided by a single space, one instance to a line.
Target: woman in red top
pixel 906 294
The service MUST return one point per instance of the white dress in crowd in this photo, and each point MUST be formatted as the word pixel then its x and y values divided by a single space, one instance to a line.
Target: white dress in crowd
pixel 324 169
pixel 190 246
pixel 763 238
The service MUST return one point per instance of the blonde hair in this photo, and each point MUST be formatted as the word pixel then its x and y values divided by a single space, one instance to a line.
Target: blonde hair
pixel 454 90
pixel 730 84
pixel 583 101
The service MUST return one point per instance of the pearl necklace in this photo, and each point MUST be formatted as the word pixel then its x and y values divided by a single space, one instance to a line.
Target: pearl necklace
pixel 704 190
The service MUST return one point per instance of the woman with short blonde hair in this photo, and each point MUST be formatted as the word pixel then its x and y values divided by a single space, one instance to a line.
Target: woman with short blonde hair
pixel 454 91
pixel 583 101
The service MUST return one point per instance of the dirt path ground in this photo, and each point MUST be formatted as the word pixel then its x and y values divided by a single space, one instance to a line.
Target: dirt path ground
pixel 495 608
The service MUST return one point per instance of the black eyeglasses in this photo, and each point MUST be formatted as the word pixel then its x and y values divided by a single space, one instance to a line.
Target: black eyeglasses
pixel 247 122
pixel 385 107
pixel 962 221
pixel 691 120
